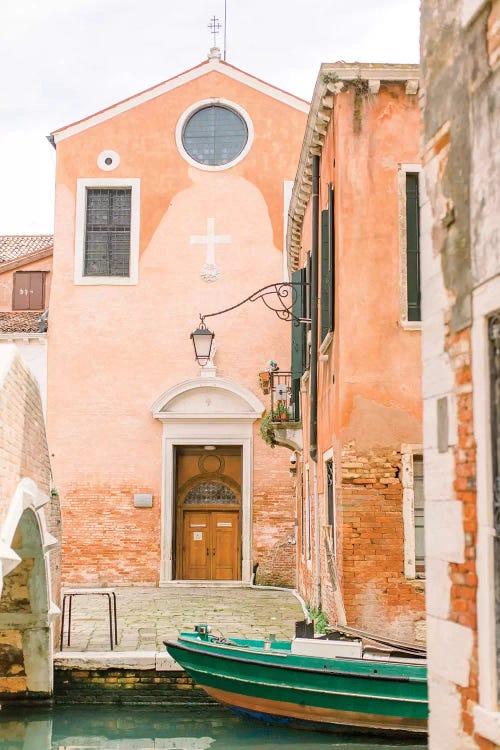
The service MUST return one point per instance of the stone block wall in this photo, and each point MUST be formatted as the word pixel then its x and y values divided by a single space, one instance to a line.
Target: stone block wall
pixel 127 686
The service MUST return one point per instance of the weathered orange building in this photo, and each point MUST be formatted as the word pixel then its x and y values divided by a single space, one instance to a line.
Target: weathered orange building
pixel 170 204
pixel 353 239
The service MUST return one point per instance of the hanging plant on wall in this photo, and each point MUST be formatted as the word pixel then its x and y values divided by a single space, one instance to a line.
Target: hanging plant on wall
pixel 267 429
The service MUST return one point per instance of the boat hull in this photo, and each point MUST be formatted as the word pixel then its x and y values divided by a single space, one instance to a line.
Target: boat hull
pixel 308 692
pixel 312 717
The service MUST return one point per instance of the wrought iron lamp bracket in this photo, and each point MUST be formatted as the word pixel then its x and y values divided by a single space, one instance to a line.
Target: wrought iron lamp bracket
pixel 279 298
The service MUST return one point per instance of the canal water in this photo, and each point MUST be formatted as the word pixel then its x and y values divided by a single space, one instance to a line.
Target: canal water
pixel 164 728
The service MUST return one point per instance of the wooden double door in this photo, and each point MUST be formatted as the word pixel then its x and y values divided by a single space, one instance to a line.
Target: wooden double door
pixel 210 545
pixel 208 514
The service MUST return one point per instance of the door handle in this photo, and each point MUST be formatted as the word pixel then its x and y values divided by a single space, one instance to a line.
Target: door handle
pixel 213 552
pixel 208 551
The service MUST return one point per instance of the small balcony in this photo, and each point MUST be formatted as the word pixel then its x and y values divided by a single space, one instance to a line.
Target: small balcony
pixel 283 407
pixel 284 410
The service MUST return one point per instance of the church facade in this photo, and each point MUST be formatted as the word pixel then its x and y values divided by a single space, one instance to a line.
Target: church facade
pixel 169 205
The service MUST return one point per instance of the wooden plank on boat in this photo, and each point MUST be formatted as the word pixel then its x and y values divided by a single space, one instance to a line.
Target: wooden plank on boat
pixel 408 647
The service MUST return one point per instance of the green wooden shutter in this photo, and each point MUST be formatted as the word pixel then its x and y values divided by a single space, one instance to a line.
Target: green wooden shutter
pixel 298 336
pixel 412 248
pixel 331 246
pixel 298 329
pixel 308 305
pixel 325 275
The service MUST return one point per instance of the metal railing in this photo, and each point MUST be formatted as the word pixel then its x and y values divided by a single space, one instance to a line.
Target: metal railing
pixel 283 407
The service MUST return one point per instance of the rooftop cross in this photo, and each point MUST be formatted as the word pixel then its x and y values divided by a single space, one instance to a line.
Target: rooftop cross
pixel 214 26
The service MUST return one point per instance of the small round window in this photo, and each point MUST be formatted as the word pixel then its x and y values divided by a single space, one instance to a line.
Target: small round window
pixel 215 135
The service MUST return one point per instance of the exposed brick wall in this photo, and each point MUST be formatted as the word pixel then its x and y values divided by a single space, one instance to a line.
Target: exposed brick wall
pixel 377 595
pixel 132 686
pixel 463 594
pixel 108 541
pixel 369 548
pixel 273 513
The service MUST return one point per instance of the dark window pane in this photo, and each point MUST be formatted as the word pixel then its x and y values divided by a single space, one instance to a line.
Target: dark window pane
pixel 107 237
pixel 210 493
pixel 215 135
pixel 413 247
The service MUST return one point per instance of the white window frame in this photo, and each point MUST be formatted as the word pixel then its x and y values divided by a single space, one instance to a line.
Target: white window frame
pixel 485 302
pixel 403 170
pixel 408 450
pixel 328 456
pixel 213 102
pixel 134 183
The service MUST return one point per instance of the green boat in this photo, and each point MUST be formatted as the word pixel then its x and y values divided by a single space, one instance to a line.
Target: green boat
pixel 311 683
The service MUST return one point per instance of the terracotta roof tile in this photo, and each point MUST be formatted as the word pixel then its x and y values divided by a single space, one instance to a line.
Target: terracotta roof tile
pixel 19 322
pixel 15 246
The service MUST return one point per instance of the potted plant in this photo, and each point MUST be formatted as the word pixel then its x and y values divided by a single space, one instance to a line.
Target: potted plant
pixel 282 412
pixel 265 381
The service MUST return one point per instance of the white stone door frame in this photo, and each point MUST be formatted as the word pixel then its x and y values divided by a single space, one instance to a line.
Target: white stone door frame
pixel 206 411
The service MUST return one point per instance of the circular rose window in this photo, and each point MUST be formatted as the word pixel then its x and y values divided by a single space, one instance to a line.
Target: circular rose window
pixel 214 135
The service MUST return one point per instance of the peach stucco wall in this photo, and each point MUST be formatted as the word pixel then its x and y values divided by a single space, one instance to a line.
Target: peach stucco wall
pixel 114 349
pixel 369 387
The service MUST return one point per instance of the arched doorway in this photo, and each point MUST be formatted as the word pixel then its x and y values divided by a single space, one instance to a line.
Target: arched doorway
pixel 207 415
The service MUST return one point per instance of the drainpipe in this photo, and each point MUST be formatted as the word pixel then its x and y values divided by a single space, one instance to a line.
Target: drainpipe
pixel 317 540
pixel 313 431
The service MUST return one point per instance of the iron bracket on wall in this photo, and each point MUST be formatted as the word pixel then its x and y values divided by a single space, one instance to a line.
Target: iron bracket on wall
pixel 279 298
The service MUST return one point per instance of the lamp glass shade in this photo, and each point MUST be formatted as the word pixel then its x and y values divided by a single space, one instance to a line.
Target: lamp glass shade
pixel 202 341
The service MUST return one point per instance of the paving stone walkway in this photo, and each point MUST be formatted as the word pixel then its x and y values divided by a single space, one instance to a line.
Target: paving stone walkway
pixel 148 616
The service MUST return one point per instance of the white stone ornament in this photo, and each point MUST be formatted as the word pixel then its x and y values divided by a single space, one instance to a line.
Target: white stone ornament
pixel 210 271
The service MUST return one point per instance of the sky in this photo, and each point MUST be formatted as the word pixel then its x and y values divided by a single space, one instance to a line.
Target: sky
pixel 61 60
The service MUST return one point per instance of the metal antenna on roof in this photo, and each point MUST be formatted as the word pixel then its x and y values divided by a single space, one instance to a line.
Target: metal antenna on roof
pixel 214 27
pixel 225 27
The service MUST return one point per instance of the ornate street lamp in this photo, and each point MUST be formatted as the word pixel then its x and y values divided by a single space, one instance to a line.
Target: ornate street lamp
pixel 279 298
pixel 202 340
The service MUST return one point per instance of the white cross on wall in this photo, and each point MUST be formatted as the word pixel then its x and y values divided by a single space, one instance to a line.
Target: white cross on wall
pixel 210 271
